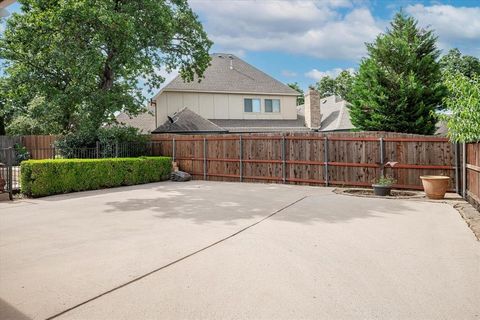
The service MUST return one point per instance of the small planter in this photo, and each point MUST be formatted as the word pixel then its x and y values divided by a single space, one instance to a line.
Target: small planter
pixel 435 186
pixel 381 190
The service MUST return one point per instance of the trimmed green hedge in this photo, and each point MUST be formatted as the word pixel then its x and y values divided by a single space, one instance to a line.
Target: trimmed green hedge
pixel 47 177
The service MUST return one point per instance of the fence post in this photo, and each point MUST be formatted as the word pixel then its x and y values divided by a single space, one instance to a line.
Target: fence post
pixel 325 159
pixel 204 159
pixel 457 167
pixel 241 158
pixel 173 149
pixel 464 171
pixel 382 157
pixel 97 149
pixel 116 149
pixel 53 151
pixel 284 163
pixel 9 164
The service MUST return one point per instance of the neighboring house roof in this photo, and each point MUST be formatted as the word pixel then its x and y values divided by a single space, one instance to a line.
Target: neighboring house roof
pixel 187 121
pixel 230 74
pixel 441 128
pixel 238 126
pixel 145 122
pixel 335 114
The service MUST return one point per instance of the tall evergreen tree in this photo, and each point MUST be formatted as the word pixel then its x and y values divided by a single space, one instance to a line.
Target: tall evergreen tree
pixel 399 85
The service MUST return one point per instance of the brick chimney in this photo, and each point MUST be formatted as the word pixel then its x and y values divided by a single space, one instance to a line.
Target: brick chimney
pixel 313 116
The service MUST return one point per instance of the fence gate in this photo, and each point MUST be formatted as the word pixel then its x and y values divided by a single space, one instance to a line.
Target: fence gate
pixel 8 180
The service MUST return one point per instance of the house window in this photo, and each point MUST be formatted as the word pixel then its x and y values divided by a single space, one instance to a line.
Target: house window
pixel 251 105
pixel 272 105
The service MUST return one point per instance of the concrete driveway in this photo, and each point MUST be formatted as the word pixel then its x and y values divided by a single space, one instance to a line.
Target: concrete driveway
pixel 213 250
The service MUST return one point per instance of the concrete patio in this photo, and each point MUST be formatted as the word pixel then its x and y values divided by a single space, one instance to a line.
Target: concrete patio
pixel 196 250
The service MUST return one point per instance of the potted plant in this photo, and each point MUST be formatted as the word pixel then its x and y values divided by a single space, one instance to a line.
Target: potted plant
pixel 435 187
pixel 383 186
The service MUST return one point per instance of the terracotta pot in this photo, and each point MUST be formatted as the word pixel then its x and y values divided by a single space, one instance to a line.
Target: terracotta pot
pixel 435 186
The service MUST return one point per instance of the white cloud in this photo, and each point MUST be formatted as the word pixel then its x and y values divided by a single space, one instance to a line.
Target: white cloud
pixel 316 74
pixel 314 28
pixel 455 26
pixel 288 73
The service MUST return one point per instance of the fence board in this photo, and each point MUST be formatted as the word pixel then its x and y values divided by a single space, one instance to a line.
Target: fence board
pixel 473 174
pixel 40 147
pixel 9 141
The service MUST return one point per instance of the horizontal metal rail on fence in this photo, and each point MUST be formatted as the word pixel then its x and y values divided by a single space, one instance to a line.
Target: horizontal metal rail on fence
pixel 285 164
pixel 322 163
pixel 281 157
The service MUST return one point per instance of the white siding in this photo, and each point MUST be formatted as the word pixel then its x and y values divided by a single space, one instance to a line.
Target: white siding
pixel 221 106
pixel 206 106
pixel 190 100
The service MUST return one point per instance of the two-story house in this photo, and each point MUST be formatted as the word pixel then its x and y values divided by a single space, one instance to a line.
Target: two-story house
pixel 236 97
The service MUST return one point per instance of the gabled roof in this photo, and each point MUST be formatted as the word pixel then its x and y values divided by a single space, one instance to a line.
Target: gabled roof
pixel 262 125
pixel 145 122
pixel 187 121
pixel 335 114
pixel 230 74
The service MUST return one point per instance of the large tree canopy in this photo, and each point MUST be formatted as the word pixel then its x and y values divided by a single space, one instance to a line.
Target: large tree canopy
pixel 463 102
pixel 454 62
pixel 340 86
pixel 77 62
pixel 301 97
pixel 399 85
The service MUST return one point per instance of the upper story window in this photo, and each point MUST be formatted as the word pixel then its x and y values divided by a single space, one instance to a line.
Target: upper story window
pixel 272 105
pixel 251 105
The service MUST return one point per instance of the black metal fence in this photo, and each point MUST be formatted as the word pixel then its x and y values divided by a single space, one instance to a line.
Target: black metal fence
pixel 113 150
pixel 10 158
pixel 9 173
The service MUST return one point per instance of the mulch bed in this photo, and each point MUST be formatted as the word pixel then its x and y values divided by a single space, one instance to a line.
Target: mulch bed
pixel 395 194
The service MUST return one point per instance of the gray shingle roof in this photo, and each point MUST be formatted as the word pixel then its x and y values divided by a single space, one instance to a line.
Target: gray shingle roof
pixel 335 116
pixel 187 121
pixel 145 122
pixel 260 125
pixel 228 73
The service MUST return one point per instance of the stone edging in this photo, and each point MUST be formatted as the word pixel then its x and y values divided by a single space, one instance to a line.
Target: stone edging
pixel 471 217
pixel 344 191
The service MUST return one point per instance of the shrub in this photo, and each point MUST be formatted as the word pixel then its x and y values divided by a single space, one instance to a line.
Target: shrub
pixel 463 102
pixel 21 153
pixel 121 140
pixel 47 177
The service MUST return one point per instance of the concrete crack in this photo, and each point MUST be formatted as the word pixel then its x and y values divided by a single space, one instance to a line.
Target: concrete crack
pixel 174 262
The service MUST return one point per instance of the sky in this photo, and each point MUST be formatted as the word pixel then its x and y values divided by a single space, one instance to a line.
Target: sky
pixel 304 40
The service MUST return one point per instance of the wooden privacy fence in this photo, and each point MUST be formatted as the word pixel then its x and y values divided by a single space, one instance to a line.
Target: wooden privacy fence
pixel 350 159
pixel 471 172
pixel 39 147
